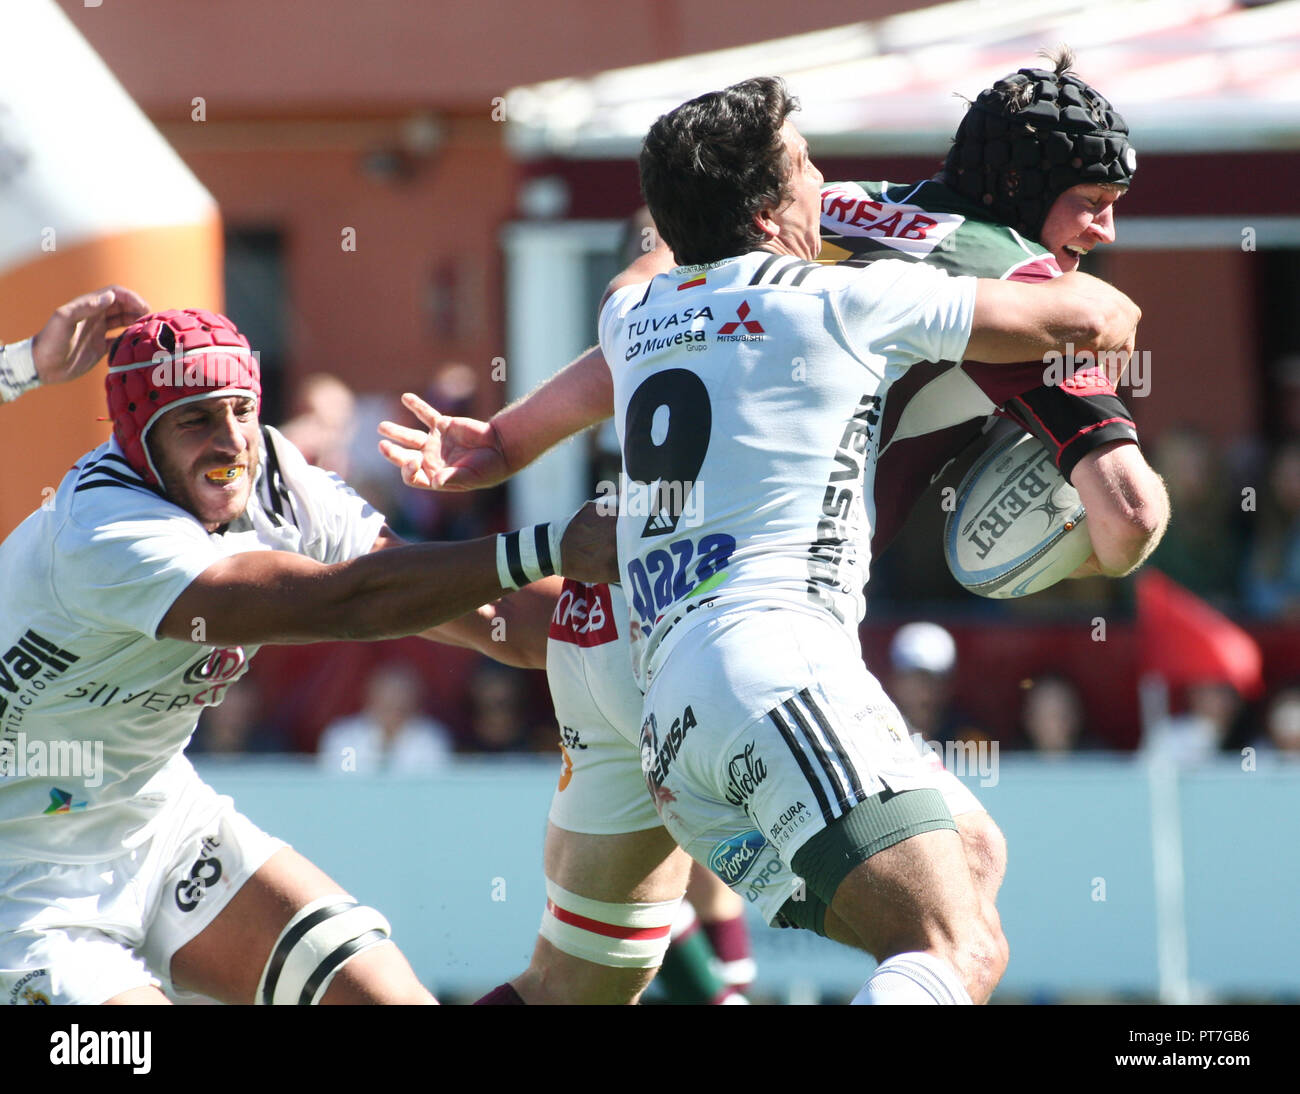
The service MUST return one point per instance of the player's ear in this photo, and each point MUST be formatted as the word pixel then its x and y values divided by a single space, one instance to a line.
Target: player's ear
pixel 765 222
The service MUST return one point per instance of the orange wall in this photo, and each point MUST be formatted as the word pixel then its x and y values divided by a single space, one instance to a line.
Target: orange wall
pixel 367 314
pixel 297 94
pixel 310 56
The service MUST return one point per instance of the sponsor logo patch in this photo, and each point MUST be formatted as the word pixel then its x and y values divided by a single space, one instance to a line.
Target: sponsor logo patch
pixel 205 873
pixel 745 773
pixel 790 820
pixel 28 991
pixel 657 755
pixel 732 859
pixel 61 802
pixel 730 332
pixel 849 211
pixel 584 615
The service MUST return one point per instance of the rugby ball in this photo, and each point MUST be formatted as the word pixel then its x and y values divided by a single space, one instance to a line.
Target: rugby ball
pixel 1017 526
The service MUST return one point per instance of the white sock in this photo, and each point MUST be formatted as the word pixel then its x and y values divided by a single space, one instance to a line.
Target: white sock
pixel 911 979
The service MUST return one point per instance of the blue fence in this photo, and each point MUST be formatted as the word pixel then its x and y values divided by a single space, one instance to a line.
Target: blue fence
pixel 454 861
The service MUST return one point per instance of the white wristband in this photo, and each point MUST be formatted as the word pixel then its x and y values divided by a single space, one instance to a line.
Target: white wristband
pixel 17 370
pixel 528 555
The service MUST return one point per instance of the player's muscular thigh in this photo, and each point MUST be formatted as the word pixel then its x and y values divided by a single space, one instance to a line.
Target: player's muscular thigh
pixel 642 866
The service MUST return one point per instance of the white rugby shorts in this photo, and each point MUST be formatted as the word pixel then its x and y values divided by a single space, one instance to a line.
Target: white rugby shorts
pixel 761 728
pixel 83 933
pixel 603 789
pixel 598 707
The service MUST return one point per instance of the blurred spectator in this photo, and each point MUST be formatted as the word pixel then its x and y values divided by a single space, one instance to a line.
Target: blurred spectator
pixel 1052 716
pixel 323 422
pixel 502 710
pixel 922 657
pixel 454 515
pixel 1272 581
pixel 370 475
pixel 1209 725
pixel 1282 723
pixel 1202 548
pixel 235 725
pixel 389 733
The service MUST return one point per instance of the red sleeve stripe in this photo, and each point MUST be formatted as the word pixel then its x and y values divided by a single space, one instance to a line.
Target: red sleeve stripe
pixel 1098 425
pixel 609 930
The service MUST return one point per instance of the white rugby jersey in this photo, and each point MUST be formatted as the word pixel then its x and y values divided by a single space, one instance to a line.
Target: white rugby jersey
pixel 17 370
pixel 746 398
pixel 94 710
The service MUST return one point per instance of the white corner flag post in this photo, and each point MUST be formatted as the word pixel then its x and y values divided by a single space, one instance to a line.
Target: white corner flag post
pixel 1166 843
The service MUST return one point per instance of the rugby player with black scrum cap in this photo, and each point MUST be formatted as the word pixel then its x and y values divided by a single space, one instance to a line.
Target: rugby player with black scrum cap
pixel 467 454
pixel 1027 190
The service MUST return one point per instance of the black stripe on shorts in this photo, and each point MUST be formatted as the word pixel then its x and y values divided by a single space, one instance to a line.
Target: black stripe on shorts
pixel 801 758
pixel 832 776
pixel 854 782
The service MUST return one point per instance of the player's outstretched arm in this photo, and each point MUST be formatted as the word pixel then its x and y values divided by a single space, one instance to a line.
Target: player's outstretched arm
pixel 1016 321
pixel 74 338
pixel 513 630
pixel 467 454
pixel 277 596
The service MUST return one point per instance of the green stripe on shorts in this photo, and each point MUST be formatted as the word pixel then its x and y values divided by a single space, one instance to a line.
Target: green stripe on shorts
pixel 881 821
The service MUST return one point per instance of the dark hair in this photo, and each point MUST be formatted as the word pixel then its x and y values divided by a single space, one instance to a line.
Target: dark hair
pixel 713 163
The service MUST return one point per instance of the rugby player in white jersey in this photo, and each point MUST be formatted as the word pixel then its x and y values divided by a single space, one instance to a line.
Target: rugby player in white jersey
pixel 740 848
pixel 134 598
pixel 761 727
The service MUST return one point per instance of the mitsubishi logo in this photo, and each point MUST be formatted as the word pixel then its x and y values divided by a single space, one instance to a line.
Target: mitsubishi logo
pixel 752 326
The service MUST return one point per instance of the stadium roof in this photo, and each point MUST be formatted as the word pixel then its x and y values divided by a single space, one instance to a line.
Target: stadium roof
pixel 1188 75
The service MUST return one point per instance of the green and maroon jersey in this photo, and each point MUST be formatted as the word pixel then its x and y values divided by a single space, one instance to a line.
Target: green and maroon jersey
pixel 938 410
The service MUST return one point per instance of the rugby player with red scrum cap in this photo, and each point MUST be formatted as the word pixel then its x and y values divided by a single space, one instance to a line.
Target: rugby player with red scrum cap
pixel 131 601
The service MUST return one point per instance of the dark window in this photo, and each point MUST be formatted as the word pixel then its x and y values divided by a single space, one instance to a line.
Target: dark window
pixel 257 300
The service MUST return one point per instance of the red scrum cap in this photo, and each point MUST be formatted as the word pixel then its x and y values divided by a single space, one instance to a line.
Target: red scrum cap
pixel 167 359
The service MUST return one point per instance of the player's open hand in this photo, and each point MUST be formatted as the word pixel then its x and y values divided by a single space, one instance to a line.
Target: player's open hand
pixel 454 453
pixel 76 335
